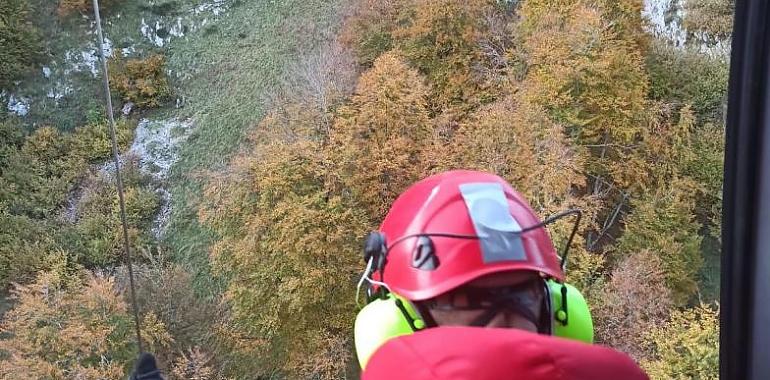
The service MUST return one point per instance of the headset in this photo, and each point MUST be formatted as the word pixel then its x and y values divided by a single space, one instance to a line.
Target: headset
pixel 387 315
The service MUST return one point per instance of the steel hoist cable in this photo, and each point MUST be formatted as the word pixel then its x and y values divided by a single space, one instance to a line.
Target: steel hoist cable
pixel 118 179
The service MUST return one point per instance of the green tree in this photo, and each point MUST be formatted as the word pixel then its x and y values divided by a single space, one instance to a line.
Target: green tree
pixel 682 76
pixel 20 41
pixel 663 222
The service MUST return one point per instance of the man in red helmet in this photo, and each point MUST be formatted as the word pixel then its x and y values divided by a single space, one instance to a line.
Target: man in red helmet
pixel 463 250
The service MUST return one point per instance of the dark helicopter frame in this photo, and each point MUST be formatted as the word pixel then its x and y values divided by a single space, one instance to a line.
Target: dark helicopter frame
pixel 745 281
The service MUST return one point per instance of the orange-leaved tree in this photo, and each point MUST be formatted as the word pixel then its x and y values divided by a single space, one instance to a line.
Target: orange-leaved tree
pixel 289 249
pixel 378 138
pixel 441 41
pixel 590 76
pixel 72 324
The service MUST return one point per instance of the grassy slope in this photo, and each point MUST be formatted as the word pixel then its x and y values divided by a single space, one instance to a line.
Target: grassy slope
pixel 232 65
pixel 222 69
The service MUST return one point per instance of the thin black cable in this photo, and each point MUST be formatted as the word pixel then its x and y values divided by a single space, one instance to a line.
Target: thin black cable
pixel 118 179
pixel 542 224
pixel 571 235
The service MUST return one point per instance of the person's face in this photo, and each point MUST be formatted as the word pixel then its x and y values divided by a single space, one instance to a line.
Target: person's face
pixel 445 316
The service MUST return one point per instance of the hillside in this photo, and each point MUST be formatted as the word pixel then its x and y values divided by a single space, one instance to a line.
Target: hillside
pixel 263 139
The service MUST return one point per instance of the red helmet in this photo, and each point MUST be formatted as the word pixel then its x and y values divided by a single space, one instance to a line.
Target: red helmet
pixel 485 217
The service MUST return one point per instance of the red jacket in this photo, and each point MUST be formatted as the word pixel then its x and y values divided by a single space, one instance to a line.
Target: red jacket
pixel 454 353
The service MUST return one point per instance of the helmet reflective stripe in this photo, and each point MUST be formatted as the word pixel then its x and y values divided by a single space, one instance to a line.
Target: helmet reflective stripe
pixel 499 232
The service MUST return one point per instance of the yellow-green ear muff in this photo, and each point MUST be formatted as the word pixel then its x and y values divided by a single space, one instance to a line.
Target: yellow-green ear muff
pixel 381 320
pixel 571 316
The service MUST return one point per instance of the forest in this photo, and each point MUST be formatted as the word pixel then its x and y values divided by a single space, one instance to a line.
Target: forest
pixel 307 119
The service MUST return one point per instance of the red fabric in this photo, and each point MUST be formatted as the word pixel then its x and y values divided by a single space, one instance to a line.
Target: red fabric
pixel 435 205
pixel 455 353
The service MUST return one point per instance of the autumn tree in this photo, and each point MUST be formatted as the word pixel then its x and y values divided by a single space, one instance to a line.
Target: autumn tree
pixel 370 24
pixel 378 138
pixel 685 347
pixel 441 41
pixel 712 19
pixel 519 142
pixel 289 250
pixel 589 75
pixel 72 324
pixel 633 301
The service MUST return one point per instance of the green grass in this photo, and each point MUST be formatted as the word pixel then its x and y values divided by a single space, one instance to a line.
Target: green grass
pixel 59 35
pixel 229 69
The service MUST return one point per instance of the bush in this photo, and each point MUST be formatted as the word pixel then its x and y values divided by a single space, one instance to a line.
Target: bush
pixel 20 41
pixel 26 246
pixel 11 139
pixel 97 216
pixel 41 173
pixel 140 81
pixel 37 175
pixel 93 139
pixel 165 289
